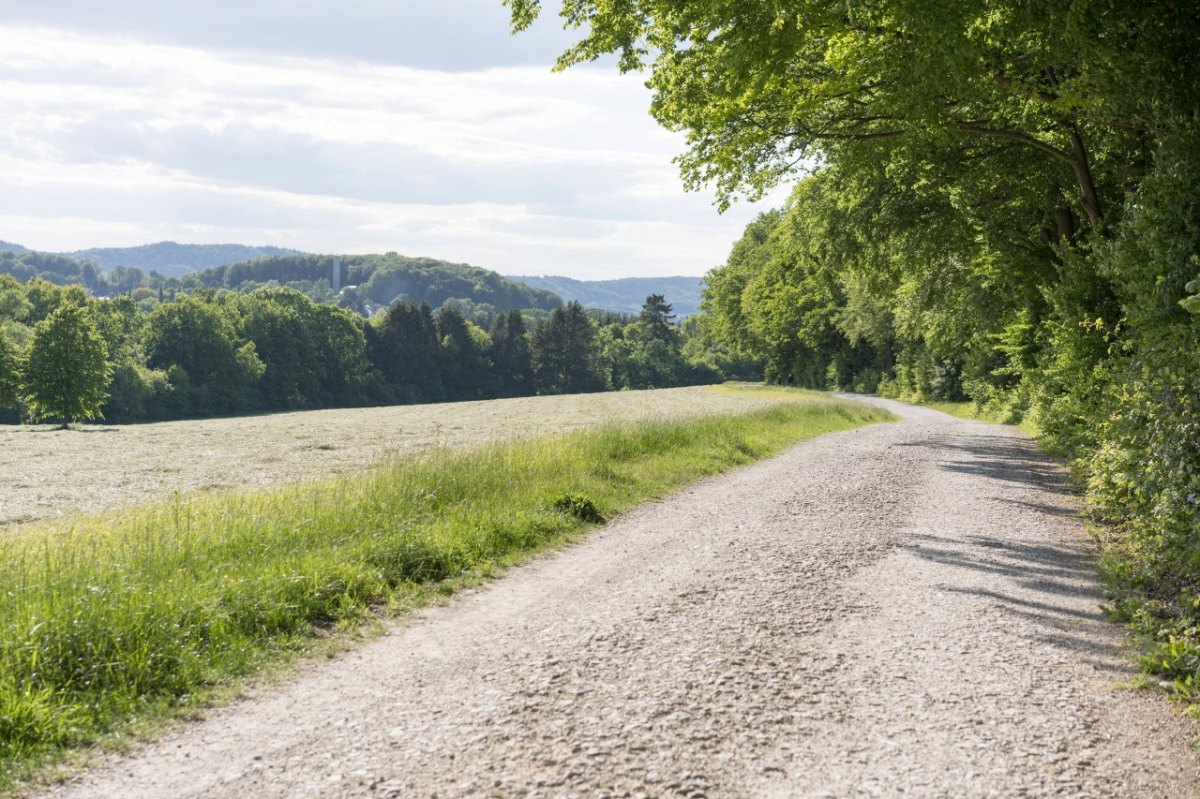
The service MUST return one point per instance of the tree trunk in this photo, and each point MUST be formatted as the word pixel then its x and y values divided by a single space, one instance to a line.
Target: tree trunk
pixel 1064 222
pixel 1083 174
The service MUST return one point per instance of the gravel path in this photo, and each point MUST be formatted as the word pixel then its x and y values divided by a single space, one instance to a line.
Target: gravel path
pixel 905 609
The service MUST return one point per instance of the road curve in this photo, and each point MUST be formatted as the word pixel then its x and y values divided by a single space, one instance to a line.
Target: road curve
pixel 904 609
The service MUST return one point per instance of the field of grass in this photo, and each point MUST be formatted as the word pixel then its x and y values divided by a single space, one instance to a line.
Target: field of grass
pixel 147 613
pixel 51 473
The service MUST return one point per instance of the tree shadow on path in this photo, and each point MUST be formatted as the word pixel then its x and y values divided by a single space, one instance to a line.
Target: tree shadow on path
pixel 1005 458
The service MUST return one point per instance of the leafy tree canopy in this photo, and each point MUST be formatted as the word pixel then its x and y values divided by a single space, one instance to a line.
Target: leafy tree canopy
pixel 67 372
pixel 9 375
pixel 759 87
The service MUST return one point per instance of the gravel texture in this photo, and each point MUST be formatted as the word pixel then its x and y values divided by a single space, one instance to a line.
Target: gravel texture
pixel 904 609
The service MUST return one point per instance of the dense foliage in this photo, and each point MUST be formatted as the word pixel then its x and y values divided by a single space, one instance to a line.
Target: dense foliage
pixel 997 201
pixel 67 355
pixel 67 372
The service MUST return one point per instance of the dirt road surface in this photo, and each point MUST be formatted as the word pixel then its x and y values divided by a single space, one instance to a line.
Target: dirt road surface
pixel 905 609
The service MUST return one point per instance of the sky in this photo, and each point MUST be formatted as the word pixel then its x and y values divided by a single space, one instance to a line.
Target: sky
pixel 415 126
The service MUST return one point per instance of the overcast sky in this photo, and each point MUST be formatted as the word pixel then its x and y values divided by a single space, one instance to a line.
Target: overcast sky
pixel 415 126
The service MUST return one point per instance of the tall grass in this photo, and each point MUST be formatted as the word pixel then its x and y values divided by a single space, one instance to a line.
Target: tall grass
pixel 142 613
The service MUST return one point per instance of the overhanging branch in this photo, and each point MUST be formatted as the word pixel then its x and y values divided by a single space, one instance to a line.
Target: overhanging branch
pixel 1017 136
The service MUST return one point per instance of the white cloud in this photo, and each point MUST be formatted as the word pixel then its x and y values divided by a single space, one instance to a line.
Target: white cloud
pixel 446 35
pixel 108 140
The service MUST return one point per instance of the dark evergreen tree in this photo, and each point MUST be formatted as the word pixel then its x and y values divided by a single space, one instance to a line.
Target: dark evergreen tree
pixel 564 355
pixel 408 354
pixel 658 320
pixel 511 357
pixel 466 373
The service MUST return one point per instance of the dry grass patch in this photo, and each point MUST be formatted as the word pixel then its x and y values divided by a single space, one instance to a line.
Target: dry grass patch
pixel 53 473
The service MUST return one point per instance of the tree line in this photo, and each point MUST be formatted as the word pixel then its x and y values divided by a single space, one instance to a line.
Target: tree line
pixel 66 355
pixel 995 200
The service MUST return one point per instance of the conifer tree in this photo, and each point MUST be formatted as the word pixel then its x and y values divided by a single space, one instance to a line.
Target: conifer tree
pixel 511 356
pixel 564 353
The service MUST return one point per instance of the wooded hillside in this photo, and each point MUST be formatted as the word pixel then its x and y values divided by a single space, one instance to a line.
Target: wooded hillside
pixel 370 279
pixel 384 278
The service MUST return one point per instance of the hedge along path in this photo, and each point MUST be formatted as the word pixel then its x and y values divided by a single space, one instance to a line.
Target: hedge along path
pixel 143 613
pixel 53 473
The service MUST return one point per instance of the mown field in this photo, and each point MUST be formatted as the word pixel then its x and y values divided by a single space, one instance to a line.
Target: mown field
pixel 52 473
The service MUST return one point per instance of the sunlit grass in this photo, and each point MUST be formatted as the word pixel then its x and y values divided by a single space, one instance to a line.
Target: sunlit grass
pixel 973 411
pixel 113 619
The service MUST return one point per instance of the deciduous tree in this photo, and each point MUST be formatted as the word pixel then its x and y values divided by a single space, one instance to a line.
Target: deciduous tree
pixel 9 374
pixel 199 338
pixel 67 372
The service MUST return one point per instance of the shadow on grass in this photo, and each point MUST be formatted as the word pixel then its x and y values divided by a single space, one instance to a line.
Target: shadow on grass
pixel 71 430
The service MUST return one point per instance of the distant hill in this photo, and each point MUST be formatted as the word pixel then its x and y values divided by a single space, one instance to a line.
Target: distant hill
pixel 24 264
pixel 624 295
pixel 381 279
pixel 170 259
pixel 377 279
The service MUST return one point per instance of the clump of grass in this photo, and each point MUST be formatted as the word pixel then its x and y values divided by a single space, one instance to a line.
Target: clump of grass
pixel 579 506
pixel 146 613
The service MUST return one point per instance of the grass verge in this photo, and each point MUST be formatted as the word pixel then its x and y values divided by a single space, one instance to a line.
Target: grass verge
pixel 973 411
pixel 150 613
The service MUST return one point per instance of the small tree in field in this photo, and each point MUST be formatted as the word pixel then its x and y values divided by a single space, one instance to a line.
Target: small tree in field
pixel 68 372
